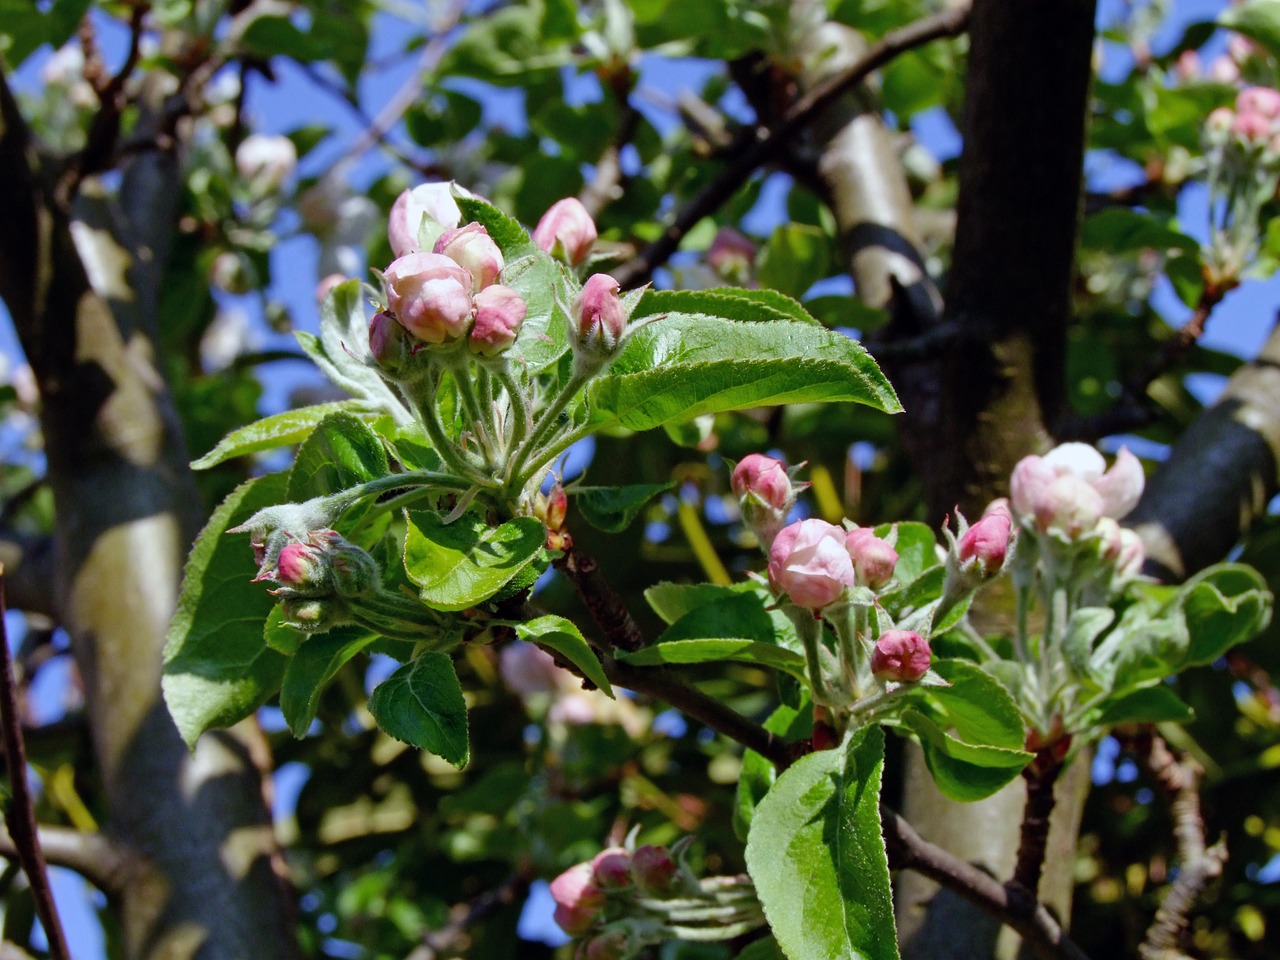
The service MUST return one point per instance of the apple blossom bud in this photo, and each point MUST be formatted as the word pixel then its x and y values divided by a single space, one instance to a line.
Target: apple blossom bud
pixel 389 343
pixel 873 558
pixel 551 507
pixel 986 543
pixel 1217 127
pixel 431 295
pixel 579 902
pixel 566 231
pixel 355 572
pixel 326 284
pixel 598 312
pixel 809 563
pixel 732 255
pixel 265 161
pixel 499 313
pixel 1262 101
pixel 1068 489
pixel 302 569
pixel 765 479
pixel 1252 129
pixel 653 869
pixel 901 656
pixel 434 200
pixel 1224 69
pixel 314 614
pixel 612 868
pixel 472 248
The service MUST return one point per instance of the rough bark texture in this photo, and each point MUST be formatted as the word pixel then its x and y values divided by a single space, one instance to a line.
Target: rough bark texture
pixel 83 294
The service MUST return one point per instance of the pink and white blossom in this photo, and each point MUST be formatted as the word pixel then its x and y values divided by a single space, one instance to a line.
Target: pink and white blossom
pixel 809 563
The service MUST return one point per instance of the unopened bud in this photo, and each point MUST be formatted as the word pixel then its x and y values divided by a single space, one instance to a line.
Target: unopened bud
pixel 873 558
pixel 901 656
pixel 326 284
pixel 265 161
pixel 612 868
pixel 809 563
pixel 303 570
pixel 986 543
pixel 579 902
pixel 314 614
pixel 765 479
pixel 389 342
pixel 499 313
pixel 732 255
pixel 551 507
pixel 434 200
pixel 473 249
pixel 355 573
pixel 566 231
pixel 599 313
pixel 431 295
pixel 653 869
pixel 1262 101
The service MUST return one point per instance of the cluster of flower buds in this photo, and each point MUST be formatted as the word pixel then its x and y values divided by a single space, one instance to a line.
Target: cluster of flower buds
pixel 1069 490
pixel 815 563
pixel 566 231
pixel 766 492
pixel 629 897
pixel 318 577
pixel 1252 128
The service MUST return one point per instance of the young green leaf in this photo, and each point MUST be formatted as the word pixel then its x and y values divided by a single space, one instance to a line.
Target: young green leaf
pixel 687 365
pixel 505 231
pixel 340 453
pixel 1158 704
pixel 612 509
pixel 217 670
pixel 817 856
pixel 564 637
pixel 310 670
pixel 292 426
pixel 713 651
pixel 344 337
pixel 963 771
pixel 731 303
pixel 422 704
pixel 466 562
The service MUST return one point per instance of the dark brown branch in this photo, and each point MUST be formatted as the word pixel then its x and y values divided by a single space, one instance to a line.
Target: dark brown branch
pixel 105 864
pixel 1040 932
pixel 603 602
pixel 1041 776
pixel 1179 779
pixel 753 148
pixel 19 813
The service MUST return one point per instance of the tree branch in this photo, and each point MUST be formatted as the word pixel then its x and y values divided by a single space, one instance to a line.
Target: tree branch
pixel 452 939
pixel 19 813
pixel 755 147
pixel 104 863
pixel 1040 932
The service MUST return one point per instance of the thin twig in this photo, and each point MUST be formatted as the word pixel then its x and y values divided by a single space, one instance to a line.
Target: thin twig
pixel 101 861
pixel 1178 776
pixel 1041 775
pixel 753 148
pixel 605 605
pixel 19 814
pixel 1039 930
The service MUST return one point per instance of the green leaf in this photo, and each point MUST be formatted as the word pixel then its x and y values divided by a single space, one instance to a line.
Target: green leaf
pixel 463 563
pixel 612 509
pixel 217 670
pixel 796 257
pixel 292 426
pixel 671 601
pixel 340 453
pixel 963 771
pixel 280 637
pixel 344 338
pixel 1157 704
pixel 686 365
pixel 312 667
pixel 563 636
pixel 1084 628
pixel 1120 230
pixel 766 948
pixel 758 773
pixel 1258 20
pixel 730 303
pixel 1224 605
pixel 738 615
pixel 505 231
pixel 25 28
pixel 422 704
pixel 817 857
pixel 976 706
pixel 916 546
pixel 544 335
pixel 712 651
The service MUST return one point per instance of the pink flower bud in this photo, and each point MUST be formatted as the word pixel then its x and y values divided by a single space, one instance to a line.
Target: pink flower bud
pixel 326 284
pixel 499 312
pixel 265 161
pixel 566 231
pixel 472 248
pixel 431 295
pixel 1188 66
pixel 1224 69
pixel 434 200
pixel 599 313
pixel 809 563
pixel 612 868
pixel 873 558
pixel 389 342
pixel 731 254
pixel 303 569
pixel 1218 125
pixel 551 507
pixel 1262 101
pixel 653 869
pixel 1253 129
pixel 987 542
pixel 579 902
pixel 764 478
pixel 901 656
